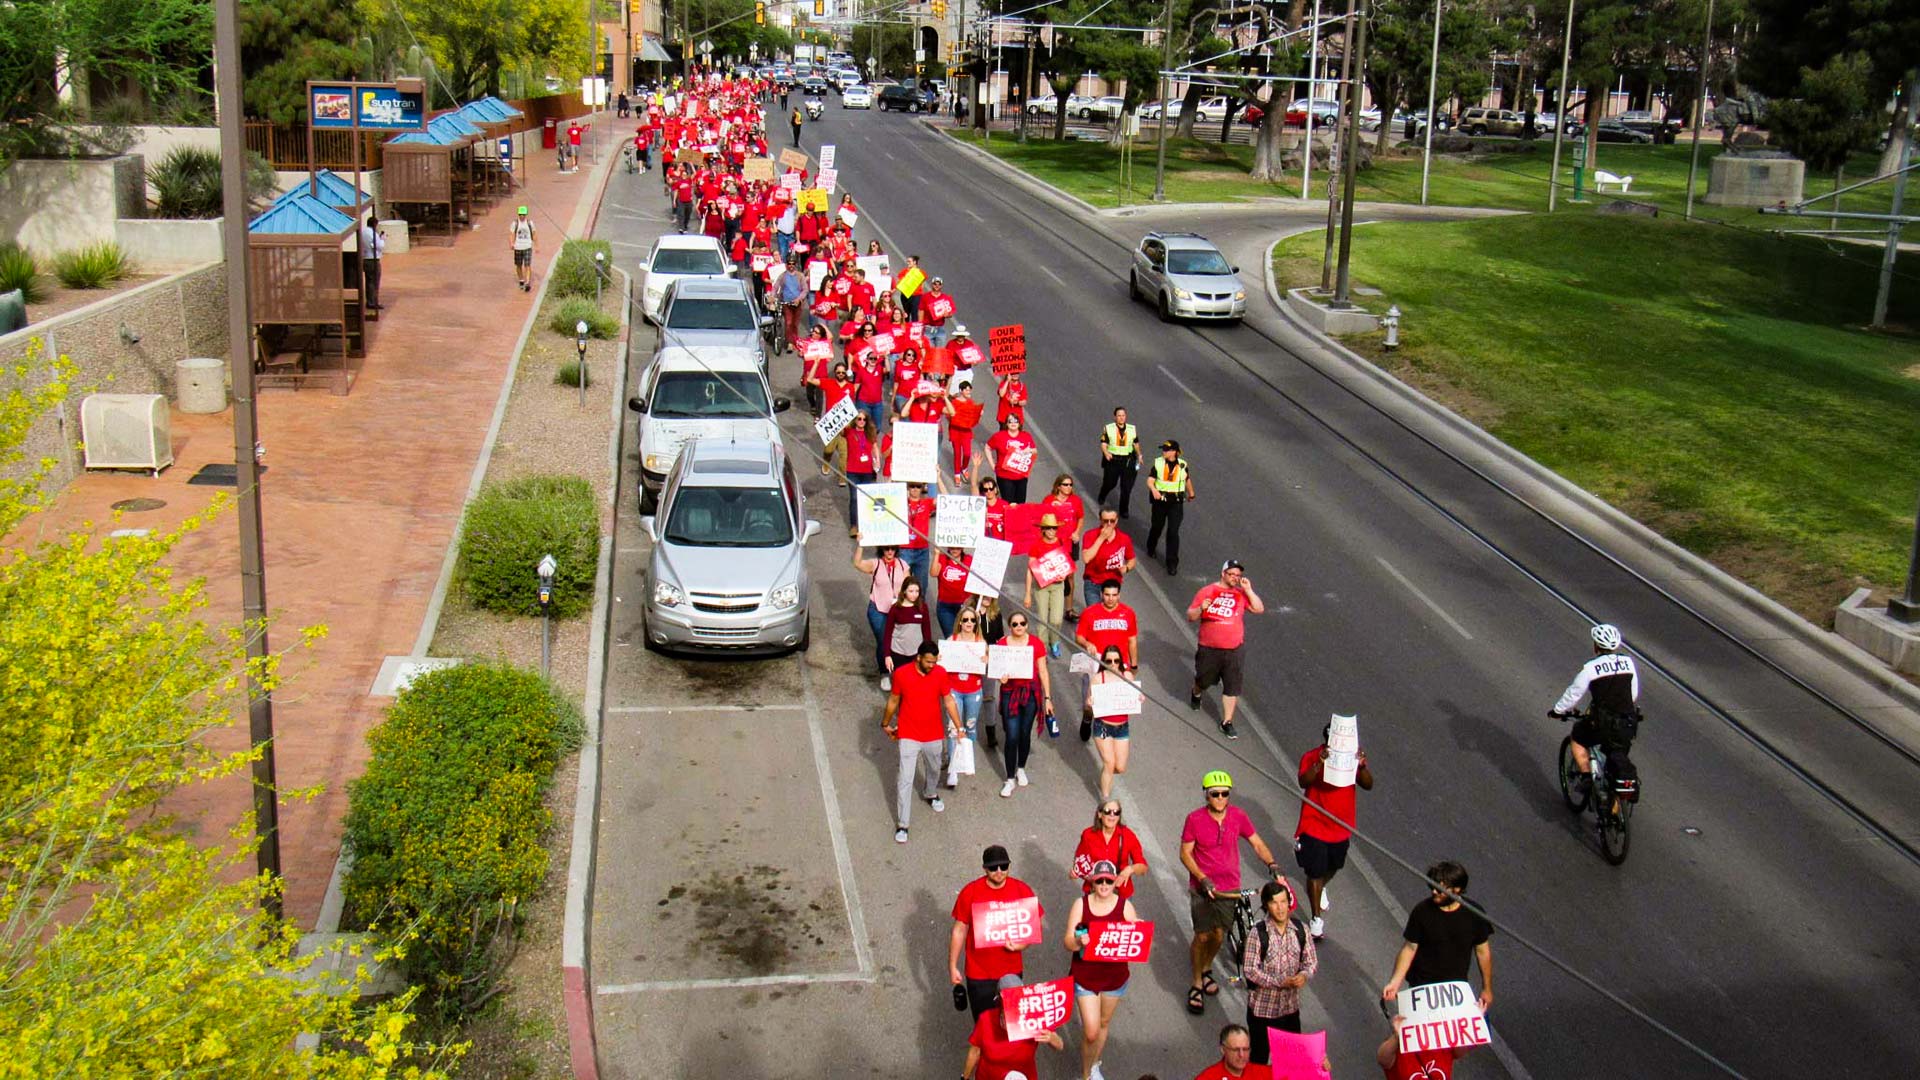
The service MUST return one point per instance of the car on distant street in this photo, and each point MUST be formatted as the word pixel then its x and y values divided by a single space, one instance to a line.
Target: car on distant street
pixel 1481 121
pixel 1042 106
pixel 906 97
pixel 814 86
pixel 1186 277
pixel 1613 131
pixel 1100 108
pixel 1152 109
pixel 1325 112
pixel 674 257
pixel 1370 119
pixel 856 97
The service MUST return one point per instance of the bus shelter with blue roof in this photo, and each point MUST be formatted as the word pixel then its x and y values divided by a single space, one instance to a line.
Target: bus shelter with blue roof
pixel 304 290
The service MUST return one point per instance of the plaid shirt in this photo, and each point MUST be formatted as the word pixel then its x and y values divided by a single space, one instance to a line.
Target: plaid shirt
pixel 1267 998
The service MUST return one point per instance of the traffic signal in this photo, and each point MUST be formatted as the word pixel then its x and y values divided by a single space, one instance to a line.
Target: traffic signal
pixel 760 13
pixel 819 8
pixel 940 7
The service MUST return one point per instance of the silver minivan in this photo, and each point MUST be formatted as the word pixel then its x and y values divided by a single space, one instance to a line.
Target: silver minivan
pixel 699 311
pixel 729 543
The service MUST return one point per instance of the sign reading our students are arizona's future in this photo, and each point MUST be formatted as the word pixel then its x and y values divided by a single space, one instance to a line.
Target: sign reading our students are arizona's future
pixel 1008 346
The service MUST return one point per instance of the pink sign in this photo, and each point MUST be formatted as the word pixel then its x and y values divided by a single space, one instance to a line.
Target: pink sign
pixel 1298 1057
pixel 1126 942
pixel 1032 1011
pixel 816 349
pixel 1052 567
pixel 1006 922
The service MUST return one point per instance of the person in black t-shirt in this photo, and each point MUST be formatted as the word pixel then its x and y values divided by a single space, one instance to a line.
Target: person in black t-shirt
pixel 1441 935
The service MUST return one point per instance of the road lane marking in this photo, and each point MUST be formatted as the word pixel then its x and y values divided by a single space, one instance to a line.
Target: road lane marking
pixel 842 857
pixel 731 984
pixel 1176 380
pixel 1424 598
pixel 889 154
pixel 975 216
pixel 1055 277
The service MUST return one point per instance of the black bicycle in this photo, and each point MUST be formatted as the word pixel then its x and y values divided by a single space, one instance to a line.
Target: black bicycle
pixel 1611 793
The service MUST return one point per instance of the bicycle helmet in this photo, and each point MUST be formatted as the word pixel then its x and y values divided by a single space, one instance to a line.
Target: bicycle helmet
pixel 1606 636
pixel 1216 778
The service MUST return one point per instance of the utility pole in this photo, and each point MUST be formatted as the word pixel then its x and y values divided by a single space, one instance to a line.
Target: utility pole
pixel 1433 89
pixel 246 440
pixel 1333 144
pixel 1893 232
pixel 1700 111
pixel 1343 284
pixel 1166 90
pixel 1026 88
pixel 1560 115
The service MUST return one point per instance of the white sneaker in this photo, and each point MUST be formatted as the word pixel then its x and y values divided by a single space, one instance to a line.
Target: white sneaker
pixel 1325 906
pixel 1095 1073
pixel 939 807
pixel 1006 790
pixel 1318 927
pixel 900 835
pixel 1020 775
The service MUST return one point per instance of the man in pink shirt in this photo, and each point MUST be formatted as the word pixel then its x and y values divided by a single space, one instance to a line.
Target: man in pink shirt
pixel 1210 850
pixel 1221 610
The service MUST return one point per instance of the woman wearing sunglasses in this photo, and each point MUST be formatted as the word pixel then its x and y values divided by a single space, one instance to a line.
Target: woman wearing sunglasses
pixel 1098 985
pixel 1022 702
pixel 1109 840
pixel 1112 735
pixel 967 688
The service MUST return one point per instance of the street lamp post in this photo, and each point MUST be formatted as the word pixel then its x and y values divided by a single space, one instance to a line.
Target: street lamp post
pixel 1343 279
pixel 1699 111
pixel 580 343
pixel 545 571
pixel 1433 89
pixel 1560 115
pixel 1166 88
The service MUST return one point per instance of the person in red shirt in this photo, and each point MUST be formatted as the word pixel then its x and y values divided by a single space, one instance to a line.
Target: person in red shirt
pixel 861 294
pixel 963 414
pixel 906 376
pixel 1236 1058
pixel 950 572
pixel 1013 399
pixel 996 508
pixel 1011 453
pixel 965 353
pixel 936 307
pixel 870 389
pixel 992 1056
pixel 1418 1065
pixel 1108 556
pixel 917 550
pixel 1049 553
pixel 1319 841
pixel 1108 839
pixel 683 192
pixel 992 968
pixel 1065 505
pixel 920 694
pixel 1221 610
pixel 862 464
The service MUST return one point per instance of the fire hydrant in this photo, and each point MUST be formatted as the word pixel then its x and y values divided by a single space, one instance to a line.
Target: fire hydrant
pixel 1391 323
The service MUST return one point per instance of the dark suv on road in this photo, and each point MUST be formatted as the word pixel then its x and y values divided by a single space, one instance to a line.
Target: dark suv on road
pixel 908 96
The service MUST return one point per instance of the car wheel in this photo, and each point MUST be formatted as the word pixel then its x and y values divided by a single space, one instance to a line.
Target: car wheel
pixel 646 637
pixel 1166 308
pixel 806 636
pixel 915 107
pixel 1133 285
pixel 1477 130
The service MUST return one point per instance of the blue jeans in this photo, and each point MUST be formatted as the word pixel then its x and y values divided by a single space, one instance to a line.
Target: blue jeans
pixel 782 243
pixel 947 613
pixel 1019 724
pixel 876 415
pixel 939 335
pixel 1089 594
pixel 854 480
pixel 877 621
pixel 969 710
pixel 918 560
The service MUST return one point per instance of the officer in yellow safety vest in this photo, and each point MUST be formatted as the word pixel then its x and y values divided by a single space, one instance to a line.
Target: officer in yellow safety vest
pixel 1170 485
pixel 1119 459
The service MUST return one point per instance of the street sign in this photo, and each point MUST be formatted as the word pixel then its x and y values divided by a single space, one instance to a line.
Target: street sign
pixel 706 47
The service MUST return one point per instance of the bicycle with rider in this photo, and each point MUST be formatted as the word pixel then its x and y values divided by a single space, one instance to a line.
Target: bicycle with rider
pixel 1610 682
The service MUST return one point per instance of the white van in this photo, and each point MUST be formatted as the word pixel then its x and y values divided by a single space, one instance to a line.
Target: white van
pixel 703 392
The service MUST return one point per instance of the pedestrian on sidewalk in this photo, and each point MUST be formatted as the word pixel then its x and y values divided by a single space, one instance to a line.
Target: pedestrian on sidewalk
pixel 1210 850
pixel 1022 701
pixel 1320 841
pixel 989 969
pixel 1221 610
pixel 1278 960
pixel 1170 487
pixel 373 247
pixel 522 242
pixel 1119 459
pixel 1098 985
pixel 921 698
pixel 909 625
pixel 885 575
pixel 1441 937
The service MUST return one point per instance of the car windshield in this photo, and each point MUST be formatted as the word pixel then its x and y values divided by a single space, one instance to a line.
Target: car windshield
pixel 690 313
pixel 706 395
pixel 729 517
pixel 1197 262
pixel 687 261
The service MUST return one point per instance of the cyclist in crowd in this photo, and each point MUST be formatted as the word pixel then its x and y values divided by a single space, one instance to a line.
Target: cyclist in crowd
pixel 1611 683
pixel 1210 850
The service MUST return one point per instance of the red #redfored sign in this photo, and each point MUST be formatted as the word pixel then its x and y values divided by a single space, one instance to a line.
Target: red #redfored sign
pixel 1032 1011
pixel 1006 922
pixel 1127 942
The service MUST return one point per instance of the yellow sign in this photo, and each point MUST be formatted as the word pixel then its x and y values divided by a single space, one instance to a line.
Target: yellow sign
pixel 812 200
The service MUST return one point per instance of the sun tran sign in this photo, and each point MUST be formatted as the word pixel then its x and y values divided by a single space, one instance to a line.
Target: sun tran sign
pixel 394 106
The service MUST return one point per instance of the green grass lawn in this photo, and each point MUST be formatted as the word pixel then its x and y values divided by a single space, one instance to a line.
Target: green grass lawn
pixel 1716 384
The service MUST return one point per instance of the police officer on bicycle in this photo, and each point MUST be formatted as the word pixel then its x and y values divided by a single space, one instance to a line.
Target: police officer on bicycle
pixel 1611 682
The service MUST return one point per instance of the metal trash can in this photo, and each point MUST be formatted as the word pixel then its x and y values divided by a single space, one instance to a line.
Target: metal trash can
pixel 201 384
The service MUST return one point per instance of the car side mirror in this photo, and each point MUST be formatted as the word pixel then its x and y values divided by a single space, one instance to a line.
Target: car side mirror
pixel 1236 269
pixel 781 404
pixel 812 530
pixel 733 269
pixel 637 404
pixel 650 523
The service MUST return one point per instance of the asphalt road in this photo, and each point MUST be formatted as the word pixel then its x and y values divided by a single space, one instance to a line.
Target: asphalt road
pixel 1754 917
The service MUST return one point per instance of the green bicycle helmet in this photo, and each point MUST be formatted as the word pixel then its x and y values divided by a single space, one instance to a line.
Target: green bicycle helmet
pixel 1218 778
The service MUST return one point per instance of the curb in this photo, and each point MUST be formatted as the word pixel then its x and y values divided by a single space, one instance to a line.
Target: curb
pixel 1018 175
pixel 1849 657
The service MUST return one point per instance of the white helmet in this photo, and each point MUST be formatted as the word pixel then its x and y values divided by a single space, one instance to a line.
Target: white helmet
pixel 1606 636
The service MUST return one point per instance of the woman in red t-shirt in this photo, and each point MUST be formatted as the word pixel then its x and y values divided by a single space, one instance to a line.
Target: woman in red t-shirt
pixel 991 1056
pixel 1013 399
pixel 1112 735
pixel 1011 453
pixel 1097 984
pixel 1047 554
pixel 1065 505
pixel 963 413
pixel 951 575
pixel 996 508
pixel 861 465
pixel 906 376
pixel 1109 840
pixel 813 374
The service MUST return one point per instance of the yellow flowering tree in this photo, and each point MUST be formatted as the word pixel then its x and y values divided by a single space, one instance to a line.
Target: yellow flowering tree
pixel 127 947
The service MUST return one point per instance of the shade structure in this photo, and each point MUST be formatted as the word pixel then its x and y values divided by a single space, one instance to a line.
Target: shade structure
pixel 304 288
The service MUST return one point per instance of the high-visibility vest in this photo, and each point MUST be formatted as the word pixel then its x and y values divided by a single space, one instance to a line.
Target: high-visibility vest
pixel 1169 481
pixel 1119 442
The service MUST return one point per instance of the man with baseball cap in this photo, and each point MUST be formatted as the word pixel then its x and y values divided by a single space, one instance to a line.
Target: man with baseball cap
pixel 1170 487
pixel 993 968
pixel 522 236
pixel 1221 610
pixel 1210 850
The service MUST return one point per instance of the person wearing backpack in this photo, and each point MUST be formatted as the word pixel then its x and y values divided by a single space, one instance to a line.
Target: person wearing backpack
pixel 1278 961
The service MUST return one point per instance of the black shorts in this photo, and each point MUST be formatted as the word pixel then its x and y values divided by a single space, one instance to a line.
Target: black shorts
pixel 523 256
pixel 1221 666
pixel 1319 859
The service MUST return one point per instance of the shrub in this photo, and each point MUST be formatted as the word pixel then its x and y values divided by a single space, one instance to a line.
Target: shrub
pixel 574 272
pixel 187 183
pixel 446 824
pixel 511 525
pixel 568 374
pixel 95 266
pixel 19 271
pixel 600 324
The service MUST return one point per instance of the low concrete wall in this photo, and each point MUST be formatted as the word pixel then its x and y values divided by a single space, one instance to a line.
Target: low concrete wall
pixel 155 141
pixel 53 206
pixel 163 246
pixel 1311 307
pixel 174 318
pixel 1746 181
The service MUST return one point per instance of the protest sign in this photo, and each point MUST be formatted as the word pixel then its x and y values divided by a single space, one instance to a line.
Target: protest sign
pixel 813 200
pixel 1032 1011
pixel 1302 1056
pixel 817 349
pixel 1440 1016
pixel 998 923
pixel 883 344
pixel 964 657
pixel 793 159
pixel 817 273
pixel 1053 567
pixel 911 280
pixel 1009 662
pixel 1082 663
pixel 835 420
pixel 916 452
pixel 989 566
pixel 883 515
pixel 1008 346
pixel 689 157
pixel 959 521
pixel 1125 942
pixel 757 169
pixel 1343 752
pixel 1023 521
pixel 761 262
pixel 1116 698
pixel 828 154
pixel 879 273
pixel 828 180
pixel 790 182
pixel 849 216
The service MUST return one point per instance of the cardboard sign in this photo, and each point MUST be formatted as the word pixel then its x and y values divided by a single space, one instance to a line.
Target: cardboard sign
pixel 689 157
pixel 911 281
pixel 817 273
pixel 1441 1016
pixel 1008 346
pixel 882 515
pixel 1032 1011
pixel 761 262
pixel 964 657
pixel 828 154
pixel 1116 698
pixel 1121 942
pixel 835 420
pixel 999 923
pixel 959 521
pixel 1082 663
pixel 758 168
pixel 1053 567
pixel 1303 1056
pixel 1343 752
pixel 813 200
pixel 1009 662
pixel 989 567
pixel 916 452
pixel 793 159
pixel 849 216
pixel 790 182
pixel 828 180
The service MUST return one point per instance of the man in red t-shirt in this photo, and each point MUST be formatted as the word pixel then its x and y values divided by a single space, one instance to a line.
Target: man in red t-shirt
pixel 936 307
pixel 1221 610
pixel 1236 1058
pixel 991 969
pixel 1108 555
pixel 992 1056
pixel 919 694
pixel 1108 622
pixel 1320 842
pixel 1418 1065
pixel 915 552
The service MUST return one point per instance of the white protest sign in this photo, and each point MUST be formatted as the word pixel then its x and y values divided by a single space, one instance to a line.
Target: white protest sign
pixel 959 521
pixel 816 274
pixel 827 154
pixel 835 420
pixel 1441 1016
pixel 849 215
pixel 883 515
pixel 828 180
pixel 1009 662
pixel 790 181
pixel 1116 698
pixel 1082 663
pixel 1343 752
pixel 989 566
pixel 876 267
pixel 964 657
pixel 916 452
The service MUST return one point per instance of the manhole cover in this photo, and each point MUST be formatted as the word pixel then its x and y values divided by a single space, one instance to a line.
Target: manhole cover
pixel 137 505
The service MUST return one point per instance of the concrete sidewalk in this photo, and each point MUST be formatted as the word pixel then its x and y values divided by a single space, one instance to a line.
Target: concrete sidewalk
pixel 361 496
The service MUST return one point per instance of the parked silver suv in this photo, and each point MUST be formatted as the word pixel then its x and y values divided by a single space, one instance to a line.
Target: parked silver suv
pixel 723 311
pixel 729 543
pixel 1186 277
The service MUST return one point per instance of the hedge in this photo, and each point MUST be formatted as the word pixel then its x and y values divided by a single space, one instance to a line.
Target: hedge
pixel 568 315
pixel 511 525
pixel 574 272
